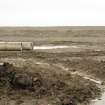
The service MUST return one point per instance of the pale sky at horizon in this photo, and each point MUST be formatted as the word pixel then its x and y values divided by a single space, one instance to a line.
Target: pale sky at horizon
pixel 52 12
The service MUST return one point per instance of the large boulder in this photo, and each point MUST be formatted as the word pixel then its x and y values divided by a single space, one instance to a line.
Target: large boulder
pixel 22 80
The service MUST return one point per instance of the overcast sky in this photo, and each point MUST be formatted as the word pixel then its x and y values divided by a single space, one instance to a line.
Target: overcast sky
pixel 52 12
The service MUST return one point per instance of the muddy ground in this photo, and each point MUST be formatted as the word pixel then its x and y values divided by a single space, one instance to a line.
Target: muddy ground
pixel 70 76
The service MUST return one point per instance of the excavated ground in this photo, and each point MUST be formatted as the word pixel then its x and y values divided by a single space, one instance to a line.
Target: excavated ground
pixel 58 82
pixel 64 76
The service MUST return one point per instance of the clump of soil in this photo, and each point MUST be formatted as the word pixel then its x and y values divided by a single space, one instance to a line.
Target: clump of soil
pixel 57 89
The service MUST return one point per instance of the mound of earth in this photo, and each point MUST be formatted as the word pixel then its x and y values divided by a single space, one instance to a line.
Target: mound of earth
pixel 42 87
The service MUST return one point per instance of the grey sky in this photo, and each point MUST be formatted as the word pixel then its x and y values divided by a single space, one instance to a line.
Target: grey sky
pixel 52 12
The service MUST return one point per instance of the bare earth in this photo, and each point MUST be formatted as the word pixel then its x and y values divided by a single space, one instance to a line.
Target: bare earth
pixel 68 76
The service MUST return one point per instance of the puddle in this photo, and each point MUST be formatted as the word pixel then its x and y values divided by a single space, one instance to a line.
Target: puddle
pixel 52 47
pixel 42 63
pixel 100 101
pixel 74 47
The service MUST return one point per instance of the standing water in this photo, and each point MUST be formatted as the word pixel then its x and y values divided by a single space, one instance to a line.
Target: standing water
pixel 52 47
pixel 101 101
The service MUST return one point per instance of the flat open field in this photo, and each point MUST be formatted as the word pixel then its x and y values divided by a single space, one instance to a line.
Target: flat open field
pixel 71 75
